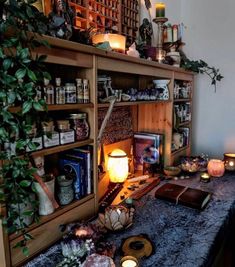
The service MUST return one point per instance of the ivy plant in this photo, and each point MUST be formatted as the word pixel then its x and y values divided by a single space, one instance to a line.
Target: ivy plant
pixel 21 71
pixel 200 66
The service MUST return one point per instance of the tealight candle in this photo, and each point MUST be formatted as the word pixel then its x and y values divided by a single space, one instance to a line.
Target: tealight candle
pixel 205 177
pixel 229 161
pixel 160 10
pixel 129 261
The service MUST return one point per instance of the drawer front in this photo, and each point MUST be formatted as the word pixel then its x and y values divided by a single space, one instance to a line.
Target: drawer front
pixel 48 233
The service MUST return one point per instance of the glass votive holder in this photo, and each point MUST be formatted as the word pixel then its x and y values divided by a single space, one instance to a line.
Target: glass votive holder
pixel 229 161
pixel 205 177
pixel 215 168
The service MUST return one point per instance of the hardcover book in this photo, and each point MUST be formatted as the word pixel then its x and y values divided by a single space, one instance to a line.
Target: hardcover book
pixel 147 151
pixel 178 194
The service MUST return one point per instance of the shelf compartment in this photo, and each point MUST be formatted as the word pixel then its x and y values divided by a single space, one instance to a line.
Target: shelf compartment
pixel 134 103
pixel 82 209
pixel 56 213
pixel 57 149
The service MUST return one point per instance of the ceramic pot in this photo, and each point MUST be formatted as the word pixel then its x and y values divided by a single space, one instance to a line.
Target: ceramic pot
pixel 162 88
pixel 45 205
pixel 65 190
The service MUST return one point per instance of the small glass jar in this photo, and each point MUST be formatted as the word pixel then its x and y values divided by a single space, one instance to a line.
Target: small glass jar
pixel 70 93
pixel 50 136
pixel 80 125
pixel 65 190
pixel 66 134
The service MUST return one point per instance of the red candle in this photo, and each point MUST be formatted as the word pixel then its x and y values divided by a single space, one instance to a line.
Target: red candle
pixel 216 168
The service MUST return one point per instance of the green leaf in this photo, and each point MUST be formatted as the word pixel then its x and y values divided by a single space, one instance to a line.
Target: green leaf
pixel 31 75
pixel 20 73
pixel 37 106
pixel 28 213
pixel 26 107
pixel 11 96
pixel 7 63
pixel 24 53
pixel 25 251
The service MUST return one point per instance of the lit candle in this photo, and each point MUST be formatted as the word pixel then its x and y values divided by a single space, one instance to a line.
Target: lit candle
pixel 216 168
pixel 129 261
pixel 229 161
pixel 205 177
pixel 160 10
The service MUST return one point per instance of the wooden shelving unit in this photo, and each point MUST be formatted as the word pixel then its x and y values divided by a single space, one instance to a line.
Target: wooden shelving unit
pixel 150 116
pixel 57 149
pixel 115 16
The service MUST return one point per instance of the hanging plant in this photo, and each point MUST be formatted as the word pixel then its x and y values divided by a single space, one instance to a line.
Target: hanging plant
pixel 200 66
pixel 20 73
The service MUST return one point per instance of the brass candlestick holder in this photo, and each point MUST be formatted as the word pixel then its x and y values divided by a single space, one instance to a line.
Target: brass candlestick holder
pixel 160 53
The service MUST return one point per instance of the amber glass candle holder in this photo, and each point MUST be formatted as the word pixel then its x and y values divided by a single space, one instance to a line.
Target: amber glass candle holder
pixel 229 161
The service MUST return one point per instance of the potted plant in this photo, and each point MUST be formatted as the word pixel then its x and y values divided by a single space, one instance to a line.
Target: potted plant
pixel 21 71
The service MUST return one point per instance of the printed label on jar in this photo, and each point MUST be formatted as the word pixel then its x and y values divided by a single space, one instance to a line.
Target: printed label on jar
pixel 67 137
pixel 53 140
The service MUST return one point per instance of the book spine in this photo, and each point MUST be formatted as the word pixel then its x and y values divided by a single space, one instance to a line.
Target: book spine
pixel 86 155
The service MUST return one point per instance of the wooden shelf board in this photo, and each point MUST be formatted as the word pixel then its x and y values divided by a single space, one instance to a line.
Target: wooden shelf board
pixel 133 103
pixel 57 149
pixel 179 150
pixel 183 100
pixel 76 5
pixel 69 106
pixel 58 107
pixel 61 210
pixel 184 123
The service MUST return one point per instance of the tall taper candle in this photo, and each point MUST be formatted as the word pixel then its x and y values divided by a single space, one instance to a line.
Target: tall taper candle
pixel 160 10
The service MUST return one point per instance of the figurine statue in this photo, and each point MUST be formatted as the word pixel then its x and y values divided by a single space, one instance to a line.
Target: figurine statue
pixel 61 19
pixel 146 31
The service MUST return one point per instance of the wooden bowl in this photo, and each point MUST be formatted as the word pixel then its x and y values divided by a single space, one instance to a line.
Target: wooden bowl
pixel 171 170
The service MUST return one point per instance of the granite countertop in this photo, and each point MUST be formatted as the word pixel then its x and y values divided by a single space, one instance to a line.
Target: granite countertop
pixel 182 237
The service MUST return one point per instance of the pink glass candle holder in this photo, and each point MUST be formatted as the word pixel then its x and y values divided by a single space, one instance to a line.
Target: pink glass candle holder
pixel 215 168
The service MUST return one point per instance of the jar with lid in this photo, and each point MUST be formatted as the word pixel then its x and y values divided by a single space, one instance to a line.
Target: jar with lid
pixel 59 92
pixel 50 136
pixel 48 91
pixel 80 125
pixel 80 91
pixel 66 134
pixel 65 189
pixel 86 91
pixel 70 93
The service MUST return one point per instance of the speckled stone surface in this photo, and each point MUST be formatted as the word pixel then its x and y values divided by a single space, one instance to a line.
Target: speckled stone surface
pixel 182 237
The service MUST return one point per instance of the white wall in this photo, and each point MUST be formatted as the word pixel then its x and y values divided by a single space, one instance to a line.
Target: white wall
pixel 210 36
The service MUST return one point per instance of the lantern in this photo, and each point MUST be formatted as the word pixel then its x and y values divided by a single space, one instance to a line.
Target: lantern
pixel 215 167
pixel 117 166
pixel 229 161
pixel 116 41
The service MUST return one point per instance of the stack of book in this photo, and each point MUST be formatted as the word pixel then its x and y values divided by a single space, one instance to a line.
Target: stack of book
pixel 78 163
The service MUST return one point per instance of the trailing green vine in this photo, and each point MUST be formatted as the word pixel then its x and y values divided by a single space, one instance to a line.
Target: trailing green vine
pixel 20 73
pixel 200 66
